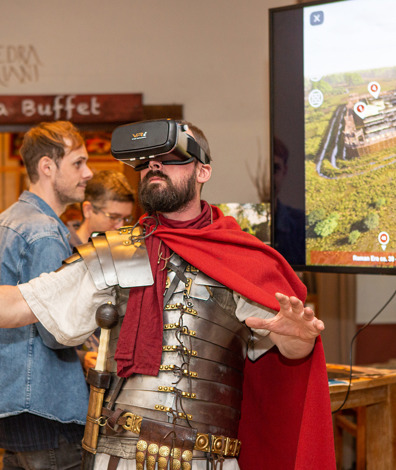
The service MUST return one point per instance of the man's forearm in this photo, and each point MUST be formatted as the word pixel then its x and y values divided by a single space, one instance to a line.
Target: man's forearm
pixel 14 311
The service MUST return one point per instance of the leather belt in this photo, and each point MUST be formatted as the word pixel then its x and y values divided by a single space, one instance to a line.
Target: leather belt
pixel 226 446
pixel 193 409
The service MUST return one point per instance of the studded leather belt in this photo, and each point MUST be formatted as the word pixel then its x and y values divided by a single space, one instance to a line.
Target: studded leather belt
pixel 226 446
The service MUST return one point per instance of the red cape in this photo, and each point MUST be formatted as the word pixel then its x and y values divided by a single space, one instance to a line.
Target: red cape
pixel 286 417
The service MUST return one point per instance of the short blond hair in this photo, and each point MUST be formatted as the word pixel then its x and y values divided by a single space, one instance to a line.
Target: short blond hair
pixel 48 139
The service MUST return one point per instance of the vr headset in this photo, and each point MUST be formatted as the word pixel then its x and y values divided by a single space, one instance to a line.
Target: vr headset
pixel 137 143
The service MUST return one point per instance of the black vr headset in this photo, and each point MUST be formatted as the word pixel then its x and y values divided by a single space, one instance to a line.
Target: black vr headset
pixel 135 144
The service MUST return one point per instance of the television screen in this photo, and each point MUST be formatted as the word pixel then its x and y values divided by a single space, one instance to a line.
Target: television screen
pixel 333 135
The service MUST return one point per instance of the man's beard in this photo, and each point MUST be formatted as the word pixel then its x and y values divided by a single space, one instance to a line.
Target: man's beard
pixel 159 198
pixel 67 195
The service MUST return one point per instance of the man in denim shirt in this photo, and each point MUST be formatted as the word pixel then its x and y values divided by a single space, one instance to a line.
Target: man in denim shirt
pixel 44 397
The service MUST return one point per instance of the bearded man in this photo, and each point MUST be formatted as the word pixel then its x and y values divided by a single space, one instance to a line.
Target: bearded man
pixel 195 296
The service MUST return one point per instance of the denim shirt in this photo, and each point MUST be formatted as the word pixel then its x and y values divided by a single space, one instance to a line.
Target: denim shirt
pixel 37 375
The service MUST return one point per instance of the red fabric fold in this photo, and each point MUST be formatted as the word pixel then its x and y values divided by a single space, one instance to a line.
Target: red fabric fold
pixel 286 419
pixel 139 346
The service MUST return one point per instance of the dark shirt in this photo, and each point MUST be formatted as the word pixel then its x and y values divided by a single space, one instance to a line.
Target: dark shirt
pixel 27 432
pixel 290 233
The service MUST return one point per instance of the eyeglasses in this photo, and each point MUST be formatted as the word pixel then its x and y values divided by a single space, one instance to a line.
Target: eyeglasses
pixel 114 217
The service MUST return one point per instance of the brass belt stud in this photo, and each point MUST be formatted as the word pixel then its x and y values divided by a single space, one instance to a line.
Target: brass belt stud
pixel 202 442
pixel 141 445
pixel 164 451
pixel 176 453
pixel 187 455
pixel 152 449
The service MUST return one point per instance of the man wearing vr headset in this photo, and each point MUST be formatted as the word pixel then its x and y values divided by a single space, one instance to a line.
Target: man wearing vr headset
pixel 194 295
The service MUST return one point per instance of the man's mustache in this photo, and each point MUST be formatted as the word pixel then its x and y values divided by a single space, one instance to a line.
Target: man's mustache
pixel 157 174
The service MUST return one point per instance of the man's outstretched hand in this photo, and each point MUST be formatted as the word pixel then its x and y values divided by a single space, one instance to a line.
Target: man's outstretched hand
pixel 293 329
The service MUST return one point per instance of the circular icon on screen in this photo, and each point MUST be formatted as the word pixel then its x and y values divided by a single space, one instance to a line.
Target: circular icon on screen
pixel 383 238
pixel 315 98
pixel 360 109
pixel 374 89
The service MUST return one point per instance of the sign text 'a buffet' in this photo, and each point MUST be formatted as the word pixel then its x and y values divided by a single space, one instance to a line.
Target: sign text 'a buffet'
pixel 77 108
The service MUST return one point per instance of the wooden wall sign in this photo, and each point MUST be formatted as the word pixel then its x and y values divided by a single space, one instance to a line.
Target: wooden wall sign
pixel 79 109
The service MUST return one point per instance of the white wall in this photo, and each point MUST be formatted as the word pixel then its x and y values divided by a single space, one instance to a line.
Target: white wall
pixel 209 55
pixel 373 291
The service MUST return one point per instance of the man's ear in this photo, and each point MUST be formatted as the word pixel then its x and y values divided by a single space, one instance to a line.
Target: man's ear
pixel 46 166
pixel 87 209
pixel 204 173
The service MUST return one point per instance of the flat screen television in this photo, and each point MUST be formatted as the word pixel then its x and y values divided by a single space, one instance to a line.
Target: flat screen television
pixel 333 135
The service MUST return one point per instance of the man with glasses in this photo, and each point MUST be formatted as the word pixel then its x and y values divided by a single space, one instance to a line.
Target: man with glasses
pixel 107 205
pixel 186 282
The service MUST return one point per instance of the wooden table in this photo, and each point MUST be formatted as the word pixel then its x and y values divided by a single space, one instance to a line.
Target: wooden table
pixel 372 398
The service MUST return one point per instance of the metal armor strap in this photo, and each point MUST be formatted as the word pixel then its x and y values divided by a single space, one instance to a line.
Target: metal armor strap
pixel 179 271
pixel 116 258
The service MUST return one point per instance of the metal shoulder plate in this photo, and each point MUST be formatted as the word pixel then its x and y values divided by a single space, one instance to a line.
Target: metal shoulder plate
pixel 117 258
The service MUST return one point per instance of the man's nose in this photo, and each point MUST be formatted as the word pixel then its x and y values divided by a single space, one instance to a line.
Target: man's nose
pixel 155 165
pixel 87 173
pixel 118 224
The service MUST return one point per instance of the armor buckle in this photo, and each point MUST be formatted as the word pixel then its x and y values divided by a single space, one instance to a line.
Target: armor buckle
pixel 132 422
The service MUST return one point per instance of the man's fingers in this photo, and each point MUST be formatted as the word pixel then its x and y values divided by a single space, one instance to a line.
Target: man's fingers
pixel 319 324
pixel 282 298
pixel 287 303
pixel 308 314
pixel 295 304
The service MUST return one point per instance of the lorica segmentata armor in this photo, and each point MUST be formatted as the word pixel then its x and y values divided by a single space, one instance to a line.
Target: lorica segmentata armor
pixel 199 384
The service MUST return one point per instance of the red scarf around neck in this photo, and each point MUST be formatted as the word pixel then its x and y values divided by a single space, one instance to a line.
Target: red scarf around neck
pixel 215 245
